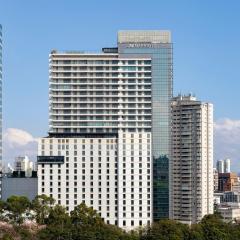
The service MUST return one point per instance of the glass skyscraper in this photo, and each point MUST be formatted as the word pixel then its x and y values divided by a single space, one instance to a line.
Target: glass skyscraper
pixel 156 45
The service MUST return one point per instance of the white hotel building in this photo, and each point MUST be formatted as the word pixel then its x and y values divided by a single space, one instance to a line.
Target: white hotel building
pixel 191 168
pixel 101 120
pixel 99 145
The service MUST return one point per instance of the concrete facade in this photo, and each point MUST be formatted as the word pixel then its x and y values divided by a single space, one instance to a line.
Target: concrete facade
pixel 191 169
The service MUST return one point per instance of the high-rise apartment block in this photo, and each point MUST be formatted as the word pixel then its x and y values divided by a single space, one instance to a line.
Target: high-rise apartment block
pixel 109 119
pixel 191 168
pixel 0 109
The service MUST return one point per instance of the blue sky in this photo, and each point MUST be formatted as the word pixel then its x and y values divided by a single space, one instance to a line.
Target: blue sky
pixel 206 37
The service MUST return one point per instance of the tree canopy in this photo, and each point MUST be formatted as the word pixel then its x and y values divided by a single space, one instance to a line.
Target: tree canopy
pixel 53 222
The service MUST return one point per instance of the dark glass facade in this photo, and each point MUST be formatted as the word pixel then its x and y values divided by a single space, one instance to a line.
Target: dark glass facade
pixel 162 81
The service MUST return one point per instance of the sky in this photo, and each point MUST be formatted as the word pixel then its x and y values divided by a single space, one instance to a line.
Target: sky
pixel 205 34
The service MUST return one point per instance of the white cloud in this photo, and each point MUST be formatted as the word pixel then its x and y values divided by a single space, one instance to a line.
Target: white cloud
pixel 17 142
pixel 17 137
pixel 227 141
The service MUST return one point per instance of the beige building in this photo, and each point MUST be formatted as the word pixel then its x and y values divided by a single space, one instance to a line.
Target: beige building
pixel 191 168
pixel 230 212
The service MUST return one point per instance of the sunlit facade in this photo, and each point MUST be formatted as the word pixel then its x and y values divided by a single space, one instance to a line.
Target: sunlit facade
pixel 156 45
pixel 108 127
pixel 192 160
pixel 99 146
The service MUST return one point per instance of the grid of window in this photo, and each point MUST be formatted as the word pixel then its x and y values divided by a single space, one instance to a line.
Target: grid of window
pixel 89 95
pixel 85 176
pixel 162 79
pixel 135 187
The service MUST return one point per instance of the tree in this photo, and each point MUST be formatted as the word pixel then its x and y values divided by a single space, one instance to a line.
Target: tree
pixel 58 216
pixel 2 210
pixel 214 228
pixel 167 230
pixel 58 225
pixel 7 236
pixel 83 216
pixel 42 206
pixel 86 222
pixel 18 209
pixel 110 232
pixel 196 232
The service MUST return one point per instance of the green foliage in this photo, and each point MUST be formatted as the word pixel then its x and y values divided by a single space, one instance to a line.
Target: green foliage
pixel 214 228
pixel 7 236
pixel 58 224
pixel 87 224
pixel 196 232
pixel 85 216
pixel 55 223
pixel 168 230
pixel 42 205
pixel 2 210
pixel 24 233
pixel 18 209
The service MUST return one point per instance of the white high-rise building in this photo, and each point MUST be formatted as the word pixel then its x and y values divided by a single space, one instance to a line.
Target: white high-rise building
pixel 191 168
pixel 99 145
pixel 103 120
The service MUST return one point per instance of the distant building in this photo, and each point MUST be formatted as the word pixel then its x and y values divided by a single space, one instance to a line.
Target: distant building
pixel 227 165
pixel 226 181
pixel 20 185
pixel 230 197
pixel 217 198
pixel 191 168
pixel 224 166
pixel 220 166
pixel 10 169
pixel 236 186
pixel 24 164
pixel 230 212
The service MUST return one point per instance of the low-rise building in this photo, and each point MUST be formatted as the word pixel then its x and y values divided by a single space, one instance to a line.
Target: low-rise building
pixel 226 181
pixel 230 212
pixel 20 185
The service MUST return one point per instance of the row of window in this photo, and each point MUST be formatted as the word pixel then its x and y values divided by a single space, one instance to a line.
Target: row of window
pixel 113 83
pixel 87 61
pixel 101 68
pixel 83 141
